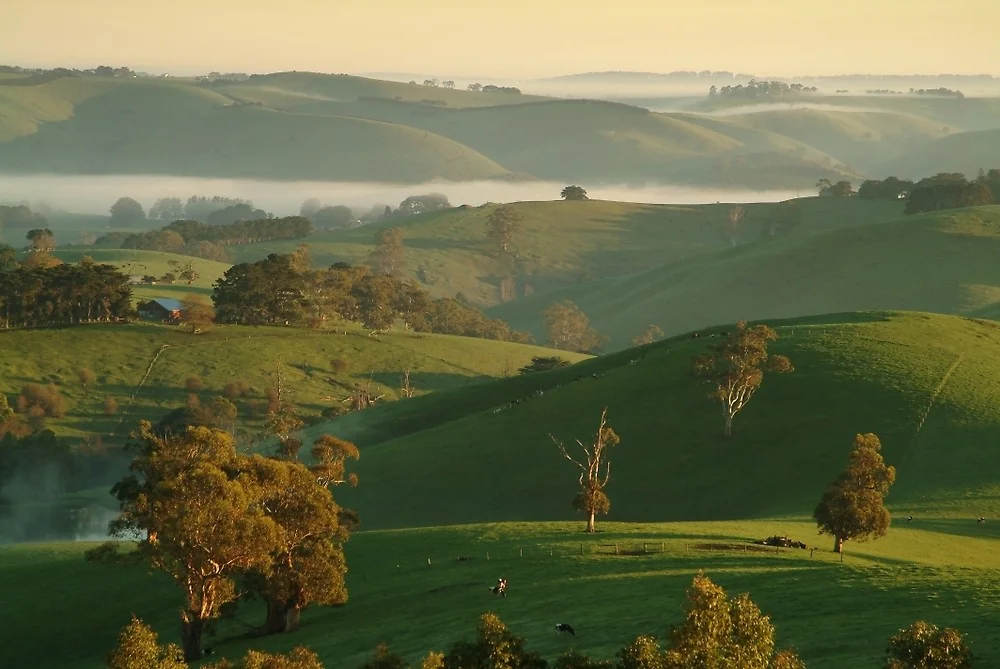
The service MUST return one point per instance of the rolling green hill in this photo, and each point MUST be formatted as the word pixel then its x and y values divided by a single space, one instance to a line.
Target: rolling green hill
pixel 922 382
pixel 563 243
pixel 121 355
pixel 942 262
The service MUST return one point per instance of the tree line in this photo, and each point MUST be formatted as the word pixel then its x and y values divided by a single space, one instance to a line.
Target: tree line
pixel 283 289
pixel 755 90
pixel 191 237
pixel 946 190
pixel 63 295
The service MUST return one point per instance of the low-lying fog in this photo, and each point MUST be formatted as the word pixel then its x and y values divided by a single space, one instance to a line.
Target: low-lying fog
pixel 95 194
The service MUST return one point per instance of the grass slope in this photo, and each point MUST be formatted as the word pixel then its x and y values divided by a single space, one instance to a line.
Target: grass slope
pixel 121 355
pixel 563 243
pixel 942 262
pixel 965 152
pixel 834 614
pixel 885 373
pixel 155 263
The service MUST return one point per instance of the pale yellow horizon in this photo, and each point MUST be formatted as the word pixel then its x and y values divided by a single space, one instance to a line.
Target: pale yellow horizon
pixel 506 38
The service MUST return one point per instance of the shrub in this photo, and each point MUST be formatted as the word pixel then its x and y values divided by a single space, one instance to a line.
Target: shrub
pixel 194 384
pixel 236 389
pixel 86 376
pixel 338 365
pixel 926 646
pixel 110 406
pixel 46 398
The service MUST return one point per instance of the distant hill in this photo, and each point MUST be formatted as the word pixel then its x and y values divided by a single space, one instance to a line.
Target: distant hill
pixel 942 262
pixel 306 126
pixel 965 152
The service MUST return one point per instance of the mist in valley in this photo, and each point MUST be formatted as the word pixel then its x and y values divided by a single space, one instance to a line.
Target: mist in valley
pixel 95 194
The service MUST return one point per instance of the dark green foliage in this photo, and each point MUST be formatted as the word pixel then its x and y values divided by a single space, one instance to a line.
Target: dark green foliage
pixel 419 204
pixel 762 90
pixel 199 208
pixel 544 364
pixel 20 216
pixel 926 646
pixel 63 295
pixel 574 660
pixel 236 213
pixel 334 217
pixel 889 188
pixel 947 191
pixel 126 212
pixel 276 291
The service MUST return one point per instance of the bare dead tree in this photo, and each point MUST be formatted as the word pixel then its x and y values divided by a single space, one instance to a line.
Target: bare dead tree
pixel 595 471
pixel 406 388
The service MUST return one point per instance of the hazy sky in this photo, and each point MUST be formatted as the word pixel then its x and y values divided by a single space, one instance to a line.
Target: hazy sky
pixel 506 38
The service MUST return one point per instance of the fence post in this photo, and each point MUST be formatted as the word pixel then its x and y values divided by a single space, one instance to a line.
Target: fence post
pixel 581 549
pixel 662 548
pixel 644 549
pixel 487 556
pixel 616 549
pixel 428 562
pixel 521 551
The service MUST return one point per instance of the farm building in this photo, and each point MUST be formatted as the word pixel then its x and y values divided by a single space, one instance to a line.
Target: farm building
pixel 161 309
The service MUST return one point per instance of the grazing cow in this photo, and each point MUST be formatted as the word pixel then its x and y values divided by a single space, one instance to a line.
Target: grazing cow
pixel 909 519
pixel 981 519
pixel 500 589
pixel 563 628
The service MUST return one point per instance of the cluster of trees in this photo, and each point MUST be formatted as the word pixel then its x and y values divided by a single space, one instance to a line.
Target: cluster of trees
pixel 940 92
pixel 490 88
pixel 328 216
pixel 194 238
pixel 228 526
pixel 761 90
pixel 201 208
pixel 20 216
pixel 63 295
pixel 420 204
pixel 283 289
pixel 100 71
pixel 568 328
pixel 951 191
pixel 840 189
pixel 889 188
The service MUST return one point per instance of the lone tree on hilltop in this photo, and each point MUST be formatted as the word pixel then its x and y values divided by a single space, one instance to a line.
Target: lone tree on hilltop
pixel 502 225
pixel 126 212
pixel 595 473
pixel 720 632
pixel 388 256
pixel 853 506
pixel 569 328
pixel 926 646
pixel 736 368
pixel 574 193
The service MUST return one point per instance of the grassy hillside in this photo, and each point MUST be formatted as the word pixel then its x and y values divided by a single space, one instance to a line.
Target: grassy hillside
pixel 919 381
pixel 121 355
pixel 836 615
pixel 965 152
pixel 942 262
pixel 563 243
pixel 132 261
pixel 852 136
